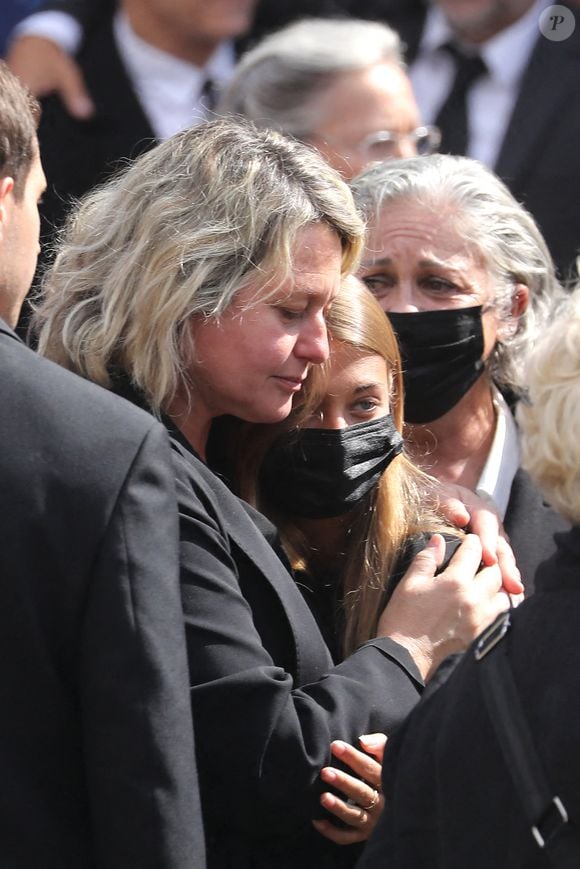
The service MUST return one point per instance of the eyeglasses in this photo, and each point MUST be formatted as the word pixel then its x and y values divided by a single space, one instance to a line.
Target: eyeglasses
pixel 384 144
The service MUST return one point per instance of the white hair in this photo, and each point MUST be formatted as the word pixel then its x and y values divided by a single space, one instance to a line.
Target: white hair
pixel 277 84
pixel 550 420
pixel 494 225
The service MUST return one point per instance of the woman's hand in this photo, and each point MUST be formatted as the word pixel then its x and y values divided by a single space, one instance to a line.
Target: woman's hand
pixel 435 616
pixel 364 801
pixel 463 507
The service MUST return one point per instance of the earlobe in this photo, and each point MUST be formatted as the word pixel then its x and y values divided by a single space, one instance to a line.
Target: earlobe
pixel 520 300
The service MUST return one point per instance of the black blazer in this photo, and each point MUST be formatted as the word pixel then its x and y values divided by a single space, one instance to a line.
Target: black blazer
pixel 531 524
pixel 76 155
pixel 96 747
pixel 453 804
pixel 266 699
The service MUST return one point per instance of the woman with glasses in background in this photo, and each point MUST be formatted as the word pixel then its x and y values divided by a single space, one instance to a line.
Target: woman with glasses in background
pixel 339 85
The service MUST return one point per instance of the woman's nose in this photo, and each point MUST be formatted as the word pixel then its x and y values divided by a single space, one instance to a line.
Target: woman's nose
pixel 333 420
pixel 312 342
pixel 401 300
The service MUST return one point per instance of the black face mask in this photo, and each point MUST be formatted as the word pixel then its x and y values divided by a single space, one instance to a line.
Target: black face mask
pixel 316 473
pixel 441 353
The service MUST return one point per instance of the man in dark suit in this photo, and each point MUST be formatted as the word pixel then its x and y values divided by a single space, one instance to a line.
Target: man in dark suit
pixel 96 746
pixel 151 70
pixel 523 107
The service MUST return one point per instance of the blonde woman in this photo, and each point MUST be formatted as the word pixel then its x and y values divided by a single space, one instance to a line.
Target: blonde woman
pixel 197 283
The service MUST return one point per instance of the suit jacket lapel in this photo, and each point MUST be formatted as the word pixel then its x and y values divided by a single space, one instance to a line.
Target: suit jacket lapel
pixel 6 330
pixel 552 73
pixel 309 647
pixel 311 653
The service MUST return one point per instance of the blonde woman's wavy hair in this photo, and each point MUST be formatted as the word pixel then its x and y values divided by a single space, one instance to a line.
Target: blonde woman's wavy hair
pixel 178 234
pixel 397 508
pixel 550 419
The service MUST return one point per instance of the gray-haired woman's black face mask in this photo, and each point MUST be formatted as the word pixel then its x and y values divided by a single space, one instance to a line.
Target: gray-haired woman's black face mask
pixel 316 473
pixel 442 358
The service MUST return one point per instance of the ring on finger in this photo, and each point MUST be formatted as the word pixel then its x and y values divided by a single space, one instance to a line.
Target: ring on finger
pixel 373 802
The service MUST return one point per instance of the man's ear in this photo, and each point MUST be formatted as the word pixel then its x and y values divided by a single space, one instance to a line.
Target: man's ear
pixel 6 187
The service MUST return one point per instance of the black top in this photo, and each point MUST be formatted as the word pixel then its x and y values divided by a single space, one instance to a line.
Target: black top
pixel 266 697
pixel 452 797
pixel 96 746
pixel 322 590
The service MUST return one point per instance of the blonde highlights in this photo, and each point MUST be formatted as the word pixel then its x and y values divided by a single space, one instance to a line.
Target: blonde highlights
pixel 384 521
pixel 550 419
pixel 178 234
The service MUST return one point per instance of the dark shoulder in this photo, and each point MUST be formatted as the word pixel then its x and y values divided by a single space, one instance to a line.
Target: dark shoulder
pixel 61 404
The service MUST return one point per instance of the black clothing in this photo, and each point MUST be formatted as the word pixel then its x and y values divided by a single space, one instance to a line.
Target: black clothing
pixel 538 159
pixel 96 747
pixel 452 799
pixel 266 697
pixel 452 116
pixel 531 524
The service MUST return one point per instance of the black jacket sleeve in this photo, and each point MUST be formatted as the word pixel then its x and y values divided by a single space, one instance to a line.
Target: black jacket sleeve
pixel 262 737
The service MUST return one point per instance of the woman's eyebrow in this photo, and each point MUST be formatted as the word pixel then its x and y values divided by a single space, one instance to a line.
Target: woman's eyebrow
pixel 366 386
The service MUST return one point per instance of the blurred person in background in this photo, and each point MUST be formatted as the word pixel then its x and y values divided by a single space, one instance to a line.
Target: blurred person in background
pixel 502 91
pixel 505 91
pixel 339 85
pixel 467 281
pixel 152 69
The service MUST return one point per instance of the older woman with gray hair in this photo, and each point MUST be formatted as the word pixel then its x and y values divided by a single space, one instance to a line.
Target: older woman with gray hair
pixel 467 281
pixel 498 785
pixel 339 85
